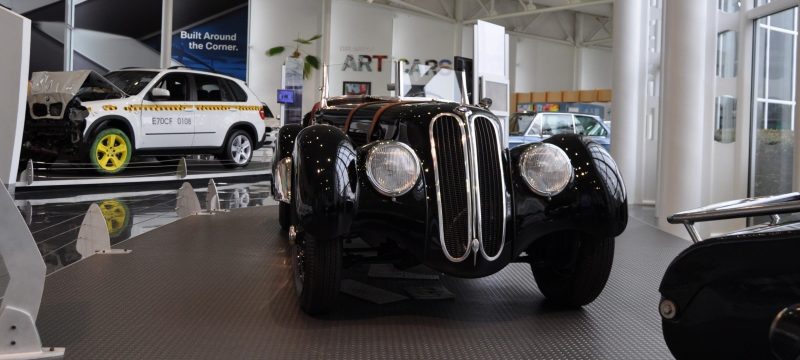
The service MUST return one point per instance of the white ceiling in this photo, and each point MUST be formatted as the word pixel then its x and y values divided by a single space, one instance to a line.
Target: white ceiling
pixel 590 18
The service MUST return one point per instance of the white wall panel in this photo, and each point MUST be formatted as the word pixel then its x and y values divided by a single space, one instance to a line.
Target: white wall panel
pixel 358 29
pixel 15 35
pixel 422 37
pixel 543 65
pixel 595 69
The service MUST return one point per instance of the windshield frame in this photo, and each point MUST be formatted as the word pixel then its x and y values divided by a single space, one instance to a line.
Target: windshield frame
pixel 522 132
pixel 132 89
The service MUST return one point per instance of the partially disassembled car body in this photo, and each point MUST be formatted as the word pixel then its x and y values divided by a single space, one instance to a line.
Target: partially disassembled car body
pixel 425 181
pixel 735 296
pixel 105 120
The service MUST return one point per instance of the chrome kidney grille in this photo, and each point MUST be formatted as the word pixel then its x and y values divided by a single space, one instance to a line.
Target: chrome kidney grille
pixel 490 197
pixel 449 149
pixel 470 189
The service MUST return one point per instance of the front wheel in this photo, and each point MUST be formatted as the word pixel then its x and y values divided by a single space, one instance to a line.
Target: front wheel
pixel 111 151
pixel 317 268
pixel 238 149
pixel 571 268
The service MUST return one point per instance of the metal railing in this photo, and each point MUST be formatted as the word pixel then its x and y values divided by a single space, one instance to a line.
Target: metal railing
pixel 771 206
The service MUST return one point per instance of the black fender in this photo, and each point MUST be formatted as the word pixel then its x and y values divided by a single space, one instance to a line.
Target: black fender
pixel 284 145
pixel 595 201
pixel 105 122
pixel 324 181
pixel 721 295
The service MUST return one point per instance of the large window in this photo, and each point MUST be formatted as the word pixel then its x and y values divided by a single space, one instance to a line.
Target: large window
pixel 773 110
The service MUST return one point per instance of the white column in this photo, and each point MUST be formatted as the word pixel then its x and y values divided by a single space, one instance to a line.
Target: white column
pixel 69 25
pixel 627 84
pixel 458 27
pixel 683 108
pixel 166 33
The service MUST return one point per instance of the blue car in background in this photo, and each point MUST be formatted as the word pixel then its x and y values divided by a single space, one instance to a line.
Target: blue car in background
pixel 531 127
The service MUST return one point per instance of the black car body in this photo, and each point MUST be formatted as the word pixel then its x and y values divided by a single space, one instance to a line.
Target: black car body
pixel 736 295
pixel 469 212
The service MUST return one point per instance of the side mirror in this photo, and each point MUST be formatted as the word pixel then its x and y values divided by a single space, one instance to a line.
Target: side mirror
pixel 485 103
pixel 159 94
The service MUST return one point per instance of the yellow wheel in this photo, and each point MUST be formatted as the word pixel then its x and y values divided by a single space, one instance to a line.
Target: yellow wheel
pixel 111 151
pixel 116 215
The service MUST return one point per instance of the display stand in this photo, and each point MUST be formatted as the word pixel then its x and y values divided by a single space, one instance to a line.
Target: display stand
pixel 212 197
pixel 19 338
pixel 188 204
pixel 15 35
pixel 93 236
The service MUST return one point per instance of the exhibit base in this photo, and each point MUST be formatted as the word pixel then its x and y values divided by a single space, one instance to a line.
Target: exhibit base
pixel 40 175
pixel 221 287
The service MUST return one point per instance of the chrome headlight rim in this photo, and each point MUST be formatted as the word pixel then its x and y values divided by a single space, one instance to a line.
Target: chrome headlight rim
pixel 375 185
pixel 525 157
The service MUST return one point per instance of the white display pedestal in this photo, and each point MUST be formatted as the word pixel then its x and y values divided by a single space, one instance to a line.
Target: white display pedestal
pixel 15 35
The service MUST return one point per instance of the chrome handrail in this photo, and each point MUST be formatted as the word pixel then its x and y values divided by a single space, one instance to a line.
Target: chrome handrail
pixel 759 206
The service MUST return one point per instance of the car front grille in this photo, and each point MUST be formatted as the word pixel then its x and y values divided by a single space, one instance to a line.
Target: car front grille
pixel 491 195
pixel 448 136
pixel 469 185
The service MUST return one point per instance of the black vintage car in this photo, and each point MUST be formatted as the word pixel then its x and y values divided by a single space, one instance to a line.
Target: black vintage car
pixel 430 182
pixel 736 295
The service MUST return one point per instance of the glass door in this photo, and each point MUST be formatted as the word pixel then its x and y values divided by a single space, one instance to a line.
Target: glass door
pixel 773 107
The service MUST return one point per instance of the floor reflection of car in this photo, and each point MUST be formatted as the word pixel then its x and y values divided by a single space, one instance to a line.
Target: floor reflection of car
pixel 531 127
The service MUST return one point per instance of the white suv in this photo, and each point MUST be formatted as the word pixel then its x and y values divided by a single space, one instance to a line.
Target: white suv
pixel 108 119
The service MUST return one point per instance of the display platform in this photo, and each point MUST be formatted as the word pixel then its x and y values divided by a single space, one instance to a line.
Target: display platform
pixel 220 287
pixel 49 175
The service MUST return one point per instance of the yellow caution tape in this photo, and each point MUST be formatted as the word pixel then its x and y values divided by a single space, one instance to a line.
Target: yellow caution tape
pixel 180 107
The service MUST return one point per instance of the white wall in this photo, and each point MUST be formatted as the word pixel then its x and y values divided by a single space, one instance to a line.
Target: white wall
pixel 274 23
pixel 423 38
pixel 15 35
pixel 543 65
pixel 358 28
pixel 594 68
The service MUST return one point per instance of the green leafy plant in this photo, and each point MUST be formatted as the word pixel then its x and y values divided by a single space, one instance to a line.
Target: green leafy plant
pixel 310 61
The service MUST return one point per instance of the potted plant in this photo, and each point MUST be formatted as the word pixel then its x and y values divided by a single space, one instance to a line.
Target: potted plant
pixel 310 62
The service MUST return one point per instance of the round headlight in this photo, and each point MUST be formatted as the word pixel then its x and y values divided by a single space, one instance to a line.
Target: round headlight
pixel 546 169
pixel 392 168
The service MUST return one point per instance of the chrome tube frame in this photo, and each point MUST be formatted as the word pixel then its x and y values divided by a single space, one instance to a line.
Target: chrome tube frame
pixel 760 206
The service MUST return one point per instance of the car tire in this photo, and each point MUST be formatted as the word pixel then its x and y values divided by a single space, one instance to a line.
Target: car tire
pixel 111 151
pixel 284 216
pixel 571 268
pixel 317 268
pixel 238 149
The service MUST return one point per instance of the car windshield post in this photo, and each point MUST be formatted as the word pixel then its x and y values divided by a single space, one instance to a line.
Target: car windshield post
pixel 520 124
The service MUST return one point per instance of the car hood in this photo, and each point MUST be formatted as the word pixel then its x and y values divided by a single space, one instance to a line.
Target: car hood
pixel 50 92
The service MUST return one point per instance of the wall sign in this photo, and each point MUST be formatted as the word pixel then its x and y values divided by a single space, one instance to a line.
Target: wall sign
pixel 219 45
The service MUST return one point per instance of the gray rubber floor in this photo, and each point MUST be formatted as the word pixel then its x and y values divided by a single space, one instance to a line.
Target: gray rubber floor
pixel 219 287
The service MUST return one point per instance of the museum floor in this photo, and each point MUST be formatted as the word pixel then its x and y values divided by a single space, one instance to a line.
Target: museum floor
pixel 220 287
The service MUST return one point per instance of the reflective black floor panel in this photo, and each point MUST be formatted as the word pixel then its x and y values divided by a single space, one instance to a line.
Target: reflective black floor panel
pixel 219 287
